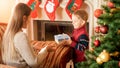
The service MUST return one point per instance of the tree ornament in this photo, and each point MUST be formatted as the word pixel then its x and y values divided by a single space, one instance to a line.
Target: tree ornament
pixel 91 49
pixel 119 63
pixel 104 29
pixel 98 12
pixel 99 61
pixel 116 53
pixel 110 4
pixel 105 56
pixel 118 32
pixel 97 29
pixel 97 42
pixel 115 10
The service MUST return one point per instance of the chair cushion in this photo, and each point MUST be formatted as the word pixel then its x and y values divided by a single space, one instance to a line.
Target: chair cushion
pixel 57 59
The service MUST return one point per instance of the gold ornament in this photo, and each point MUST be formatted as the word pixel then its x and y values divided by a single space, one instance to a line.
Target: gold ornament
pixel 91 49
pixel 114 10
pixel 118 32
pixel 115 54
pixel 105 56
pixel 99 61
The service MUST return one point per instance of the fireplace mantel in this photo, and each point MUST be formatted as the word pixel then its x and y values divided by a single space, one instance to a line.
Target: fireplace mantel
pixel 44 30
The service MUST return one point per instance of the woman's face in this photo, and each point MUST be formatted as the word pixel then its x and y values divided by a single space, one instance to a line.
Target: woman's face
pixel 29 19
pixel 77 21
pixel 26 21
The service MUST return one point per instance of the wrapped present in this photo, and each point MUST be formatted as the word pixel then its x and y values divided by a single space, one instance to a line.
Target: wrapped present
pixel 58 38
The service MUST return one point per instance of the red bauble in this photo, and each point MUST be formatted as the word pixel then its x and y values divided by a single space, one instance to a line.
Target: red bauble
pixel 97 29
pixel 110 4
pixel 104 29
pixel 97 43
pixel 98 12
pixel 119 63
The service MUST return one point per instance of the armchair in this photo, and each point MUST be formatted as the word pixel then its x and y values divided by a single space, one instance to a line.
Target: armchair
pixel 57 59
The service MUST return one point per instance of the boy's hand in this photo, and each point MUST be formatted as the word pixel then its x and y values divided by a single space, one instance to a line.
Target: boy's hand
pixel 69 41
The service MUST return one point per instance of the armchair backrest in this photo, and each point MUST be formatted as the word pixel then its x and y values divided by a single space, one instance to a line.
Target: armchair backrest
pixel 2 30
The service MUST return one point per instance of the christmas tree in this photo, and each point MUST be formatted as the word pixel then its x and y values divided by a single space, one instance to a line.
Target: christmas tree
pixel 105 45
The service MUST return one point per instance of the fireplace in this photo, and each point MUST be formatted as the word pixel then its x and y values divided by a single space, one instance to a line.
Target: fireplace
pixel 44 30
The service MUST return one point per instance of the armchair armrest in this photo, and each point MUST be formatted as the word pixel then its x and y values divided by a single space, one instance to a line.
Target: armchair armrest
pixel 6 66
pixel 56 59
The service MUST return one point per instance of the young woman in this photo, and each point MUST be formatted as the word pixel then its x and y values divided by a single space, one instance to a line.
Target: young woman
pixel 79 39
pixel 16 49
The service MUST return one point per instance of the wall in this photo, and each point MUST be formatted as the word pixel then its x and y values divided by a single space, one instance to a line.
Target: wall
pixel 5 9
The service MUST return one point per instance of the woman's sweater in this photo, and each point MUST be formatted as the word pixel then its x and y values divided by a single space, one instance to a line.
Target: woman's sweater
pixel 26 57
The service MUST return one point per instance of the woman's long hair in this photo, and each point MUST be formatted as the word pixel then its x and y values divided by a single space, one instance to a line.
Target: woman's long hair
pixel 15 25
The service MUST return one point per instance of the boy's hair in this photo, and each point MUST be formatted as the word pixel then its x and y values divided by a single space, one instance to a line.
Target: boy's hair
pixel 82 14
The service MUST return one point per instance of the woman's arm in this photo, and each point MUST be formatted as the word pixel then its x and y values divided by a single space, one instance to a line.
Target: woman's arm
pixel 42 54
pixel 22 44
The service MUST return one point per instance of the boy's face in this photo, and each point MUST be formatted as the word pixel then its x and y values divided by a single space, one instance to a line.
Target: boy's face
pixel 77 21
